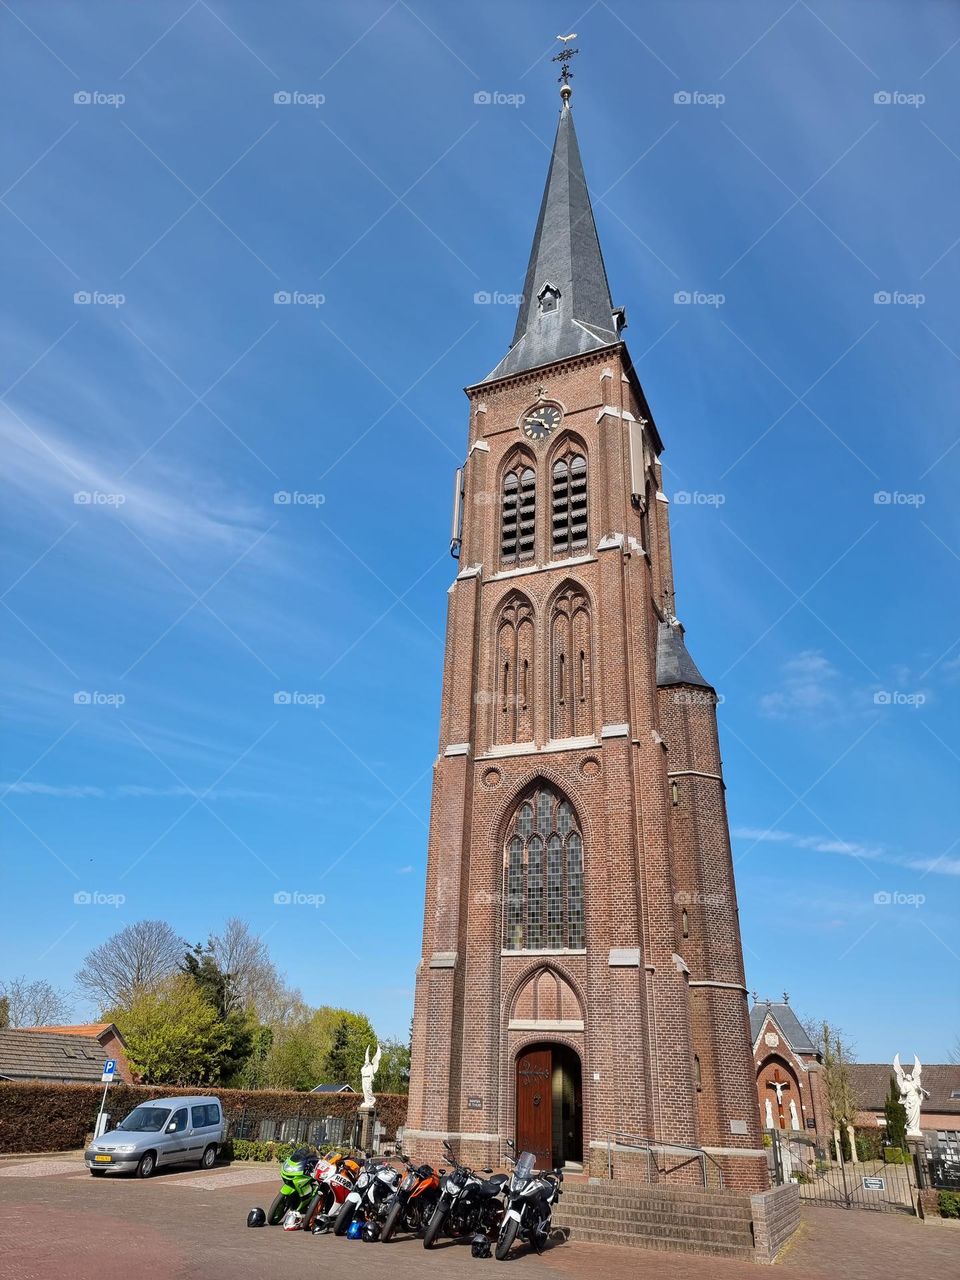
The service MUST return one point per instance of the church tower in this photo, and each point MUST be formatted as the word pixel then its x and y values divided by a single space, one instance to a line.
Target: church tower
pixel 581 981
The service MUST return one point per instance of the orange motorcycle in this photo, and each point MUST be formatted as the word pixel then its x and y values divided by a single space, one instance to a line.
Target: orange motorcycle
pixel 413 1202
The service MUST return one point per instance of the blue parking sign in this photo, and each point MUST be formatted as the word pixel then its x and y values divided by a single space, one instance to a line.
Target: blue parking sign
pixel 109 1070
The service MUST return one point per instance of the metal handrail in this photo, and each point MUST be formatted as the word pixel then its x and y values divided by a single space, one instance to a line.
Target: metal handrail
pixel 650 1147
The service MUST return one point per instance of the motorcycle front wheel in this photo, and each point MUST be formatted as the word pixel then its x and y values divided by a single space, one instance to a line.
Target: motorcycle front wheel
pixel 281 1203
pixel 344 1218
pixel 508 1233
pixel 434 1227
pixel 391 1224
pixel 316 1207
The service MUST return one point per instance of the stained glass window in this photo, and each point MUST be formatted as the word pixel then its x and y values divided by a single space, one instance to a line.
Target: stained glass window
pixel 543 876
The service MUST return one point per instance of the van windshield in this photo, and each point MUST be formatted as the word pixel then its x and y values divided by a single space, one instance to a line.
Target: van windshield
pixel 145 1120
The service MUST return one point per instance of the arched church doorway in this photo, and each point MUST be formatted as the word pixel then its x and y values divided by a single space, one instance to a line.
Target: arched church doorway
pixel 550 1105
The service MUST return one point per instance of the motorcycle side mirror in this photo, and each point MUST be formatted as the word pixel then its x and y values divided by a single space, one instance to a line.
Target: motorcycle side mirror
pixel 488 1171
pixel 510 1143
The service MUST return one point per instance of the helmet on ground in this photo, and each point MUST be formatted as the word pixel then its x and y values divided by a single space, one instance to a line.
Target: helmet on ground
pixel 256 1218
pixel 292 1221
pixel 480 1246
pixel 355 1229
pixel 371 1231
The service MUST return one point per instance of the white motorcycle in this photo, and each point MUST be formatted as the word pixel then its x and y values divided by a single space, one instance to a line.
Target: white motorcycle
pixel 530 1199
pixel 370 1196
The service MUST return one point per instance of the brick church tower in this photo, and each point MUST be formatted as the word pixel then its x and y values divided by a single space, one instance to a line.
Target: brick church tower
pixel 581 981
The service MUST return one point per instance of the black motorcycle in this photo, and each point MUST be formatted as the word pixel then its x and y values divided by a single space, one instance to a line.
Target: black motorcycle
pixel 469 1203
pixel 530 1200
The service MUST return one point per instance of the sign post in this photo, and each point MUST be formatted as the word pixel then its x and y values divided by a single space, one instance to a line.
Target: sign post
pixel 109 1071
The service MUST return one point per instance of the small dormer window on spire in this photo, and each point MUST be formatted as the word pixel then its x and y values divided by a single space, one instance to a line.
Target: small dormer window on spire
pixel 548 298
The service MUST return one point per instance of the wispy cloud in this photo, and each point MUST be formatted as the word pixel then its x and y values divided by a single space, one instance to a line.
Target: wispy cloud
pixel 48 469
pixel 925 863
pixel 810 684
pixel 125 791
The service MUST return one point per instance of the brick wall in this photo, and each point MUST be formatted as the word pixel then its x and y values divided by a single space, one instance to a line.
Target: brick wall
pixel 776 1215
pixel 680 1002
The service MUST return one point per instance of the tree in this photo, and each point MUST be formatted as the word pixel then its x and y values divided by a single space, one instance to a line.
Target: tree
pixel 217 989
pixel 352 1036
pixel 4 1013
pixel 841 1102
pixel 175 1036
pixel 34 1004
pixel 256 983
pixel 394 1073
pixel 896 1117
pixel 131 963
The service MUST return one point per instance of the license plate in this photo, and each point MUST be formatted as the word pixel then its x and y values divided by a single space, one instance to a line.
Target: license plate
pixel 102 1159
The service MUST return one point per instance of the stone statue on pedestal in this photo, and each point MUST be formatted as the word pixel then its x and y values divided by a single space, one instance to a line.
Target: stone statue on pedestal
pixel 367 1072
pixel 912 1094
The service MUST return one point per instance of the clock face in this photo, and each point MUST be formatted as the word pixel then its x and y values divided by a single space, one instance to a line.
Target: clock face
pixel 539 422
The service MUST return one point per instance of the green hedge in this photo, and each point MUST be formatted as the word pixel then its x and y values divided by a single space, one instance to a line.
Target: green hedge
pixel 37 1116
pixel 949 1202
pixel 896 1155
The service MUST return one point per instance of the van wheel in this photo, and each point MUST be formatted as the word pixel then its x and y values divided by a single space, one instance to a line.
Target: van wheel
pixel 209 1157
pixel 148 1162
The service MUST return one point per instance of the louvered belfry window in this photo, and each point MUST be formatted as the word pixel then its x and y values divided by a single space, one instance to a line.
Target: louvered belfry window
pixel 543 876
pixel 569 504
pixel 518 525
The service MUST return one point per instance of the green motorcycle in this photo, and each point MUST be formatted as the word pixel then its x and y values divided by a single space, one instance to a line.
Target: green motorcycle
pixel 297 1187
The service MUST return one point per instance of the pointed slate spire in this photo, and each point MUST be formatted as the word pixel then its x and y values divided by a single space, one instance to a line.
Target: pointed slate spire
pixel 674 664
pixel 566 308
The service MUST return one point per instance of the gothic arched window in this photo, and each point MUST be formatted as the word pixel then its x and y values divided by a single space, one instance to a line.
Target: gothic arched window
pixel 518 515
pixel 571 671
pixel 513 694
pixel 543 876
pixel 568 501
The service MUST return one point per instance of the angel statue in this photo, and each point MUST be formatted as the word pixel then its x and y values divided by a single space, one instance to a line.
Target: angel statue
pixel 367 1072
pixel 912 1094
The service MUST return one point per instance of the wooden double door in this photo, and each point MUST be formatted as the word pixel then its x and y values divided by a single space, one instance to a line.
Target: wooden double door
pixel 549 1106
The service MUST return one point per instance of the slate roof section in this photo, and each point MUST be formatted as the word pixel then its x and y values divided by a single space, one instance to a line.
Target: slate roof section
pixel 871 1084
pixel 566 255
pixel 45 1055
pixel 788 1022
pixel 674 664
pixel 333 1088
pixel 96 1029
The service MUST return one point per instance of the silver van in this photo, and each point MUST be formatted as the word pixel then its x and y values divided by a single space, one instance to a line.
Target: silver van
pixel 163 1132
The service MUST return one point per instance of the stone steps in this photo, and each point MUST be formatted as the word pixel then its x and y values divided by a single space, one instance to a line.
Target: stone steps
pixel 651 1218
pixel 674 1219
pixel 737 1211
pixel 670 1244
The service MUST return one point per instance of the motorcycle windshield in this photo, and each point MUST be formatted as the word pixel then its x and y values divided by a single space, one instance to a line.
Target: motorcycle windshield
pixel 523 1169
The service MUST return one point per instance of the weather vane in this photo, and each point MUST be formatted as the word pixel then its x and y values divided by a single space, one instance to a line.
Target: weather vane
pixel 563 57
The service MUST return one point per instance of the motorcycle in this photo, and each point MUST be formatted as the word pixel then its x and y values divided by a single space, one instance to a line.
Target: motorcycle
pixel 529 1200
pixel 468 1203
pixel 413 1201
pixel 369 1196
pixel 297 1186
pixel 334 1177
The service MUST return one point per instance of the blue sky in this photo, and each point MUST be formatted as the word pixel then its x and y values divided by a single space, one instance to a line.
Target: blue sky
pixel 738 153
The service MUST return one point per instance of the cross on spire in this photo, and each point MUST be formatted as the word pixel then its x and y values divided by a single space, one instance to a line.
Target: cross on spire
pixel 563 57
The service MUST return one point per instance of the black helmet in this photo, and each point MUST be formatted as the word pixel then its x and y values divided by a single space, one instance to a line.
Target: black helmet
pixel 371 1231
pixel 256 1218
pixel 480 1246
